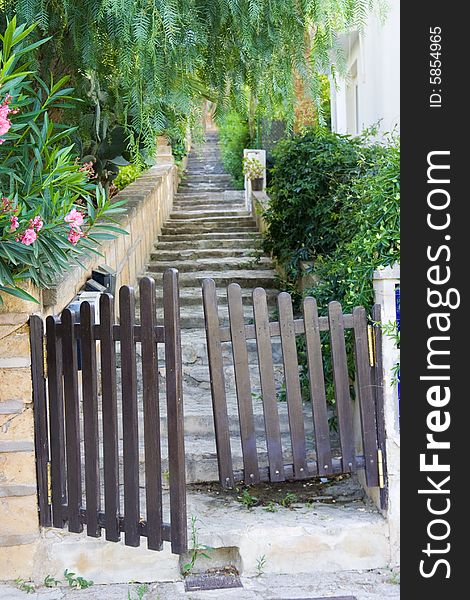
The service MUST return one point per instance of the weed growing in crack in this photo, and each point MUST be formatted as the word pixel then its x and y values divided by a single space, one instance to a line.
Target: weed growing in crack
pixel 271 507
pixel 25 586
pixel 260 565
pixel 138 593
pixel 50 581
pixel 288 500
pixel 77 582
pixel 247 499
pixel 197 549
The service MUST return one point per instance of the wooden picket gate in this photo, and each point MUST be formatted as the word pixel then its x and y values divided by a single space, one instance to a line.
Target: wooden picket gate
pixel 90 492
pixel 368 386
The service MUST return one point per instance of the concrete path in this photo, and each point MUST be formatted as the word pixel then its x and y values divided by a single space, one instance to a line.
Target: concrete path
pixel 362 585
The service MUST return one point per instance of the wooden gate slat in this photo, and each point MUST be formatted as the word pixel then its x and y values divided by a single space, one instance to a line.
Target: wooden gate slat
pixel 366 397
pixel 153 480
pixel 268 386
pixel 216 370
pixel 175 417
pixel 56 420
pixel 90 418
pixel 41 436
pixel 291 376
pixel 378 380
pixel 110 419
pixel 317 386
pixel 341 383
pixel 72 421
pixel 242 383
pixel 130 418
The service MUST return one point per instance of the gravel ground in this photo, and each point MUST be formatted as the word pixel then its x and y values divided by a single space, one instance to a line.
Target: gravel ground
pixel 362 585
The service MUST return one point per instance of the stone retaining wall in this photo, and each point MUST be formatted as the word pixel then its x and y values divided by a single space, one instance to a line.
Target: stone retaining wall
pixel 150 201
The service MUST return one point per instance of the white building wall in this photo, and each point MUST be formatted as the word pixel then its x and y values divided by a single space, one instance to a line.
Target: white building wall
pixel 371 91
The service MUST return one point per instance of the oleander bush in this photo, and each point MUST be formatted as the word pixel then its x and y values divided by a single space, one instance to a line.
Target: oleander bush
pixel 52 210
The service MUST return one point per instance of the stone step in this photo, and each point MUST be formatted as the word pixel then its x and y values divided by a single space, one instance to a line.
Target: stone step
pixel 246 279
pixel 199 219
pixel 205 157
pixel 220 178
pixel 196 160
pixel 201 422
pixel 193 296
pixel 192 316
pixel 226 196
pixel 217 235
pixel 202 243
pixel 204 228
pixel 201 188
pixel 209 206
pixel 201 457
pixel 180 215
pixel 201 168
pixel 176 255
pixel 205 264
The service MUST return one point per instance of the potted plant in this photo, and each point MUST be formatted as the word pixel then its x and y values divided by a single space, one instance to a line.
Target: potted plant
pixel 254 171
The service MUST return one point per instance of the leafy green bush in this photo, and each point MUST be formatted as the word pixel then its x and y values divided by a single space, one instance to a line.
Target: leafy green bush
pixel 309 184
pixel 127 175
pixel 234 138
pixel 52 211
pixel 359 184
pixel 370 225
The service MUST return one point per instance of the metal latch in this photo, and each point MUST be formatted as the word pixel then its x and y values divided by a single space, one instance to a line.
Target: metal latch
pixel 380 464
pixel 49 484
pixel 371 345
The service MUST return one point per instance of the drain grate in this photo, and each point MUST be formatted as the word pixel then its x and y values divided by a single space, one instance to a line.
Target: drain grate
pixel 211 581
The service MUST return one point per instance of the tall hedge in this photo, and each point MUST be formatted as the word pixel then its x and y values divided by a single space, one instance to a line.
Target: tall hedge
pixel 334 200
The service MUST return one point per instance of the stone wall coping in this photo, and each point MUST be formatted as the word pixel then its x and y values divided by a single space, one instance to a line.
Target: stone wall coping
pixel 390 272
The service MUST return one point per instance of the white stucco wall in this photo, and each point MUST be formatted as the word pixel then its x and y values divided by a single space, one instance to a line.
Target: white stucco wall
pixel 373 62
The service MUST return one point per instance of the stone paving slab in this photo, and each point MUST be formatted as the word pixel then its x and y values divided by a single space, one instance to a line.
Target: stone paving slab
pixel 363 585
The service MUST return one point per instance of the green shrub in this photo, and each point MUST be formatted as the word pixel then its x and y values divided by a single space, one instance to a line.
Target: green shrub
pixel 127 175
pixel 370 226
pixel 234 138
pixel 50 204
pixel 309 184
pixel 358 183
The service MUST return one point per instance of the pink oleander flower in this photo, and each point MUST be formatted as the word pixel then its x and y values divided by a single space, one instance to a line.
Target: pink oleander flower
pixel 36 223
pixel 28 237
pixel 7 204
pixel 87 168
pixel 5 122
pixel 74 218
pixel 74 235
pixel 14 224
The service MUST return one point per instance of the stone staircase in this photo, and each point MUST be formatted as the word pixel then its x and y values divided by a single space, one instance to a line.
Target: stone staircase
pixel 210 234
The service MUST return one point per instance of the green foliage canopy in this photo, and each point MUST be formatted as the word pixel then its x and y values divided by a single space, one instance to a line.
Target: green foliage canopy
pixel 148 63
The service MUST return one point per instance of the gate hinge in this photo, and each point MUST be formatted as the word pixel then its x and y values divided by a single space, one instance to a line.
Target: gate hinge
pixel 380 464
pixel 49 484
pixel 371 345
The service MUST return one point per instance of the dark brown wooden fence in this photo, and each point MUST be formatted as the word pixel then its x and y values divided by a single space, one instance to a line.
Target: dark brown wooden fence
pixel 301 463
pixel 84 478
